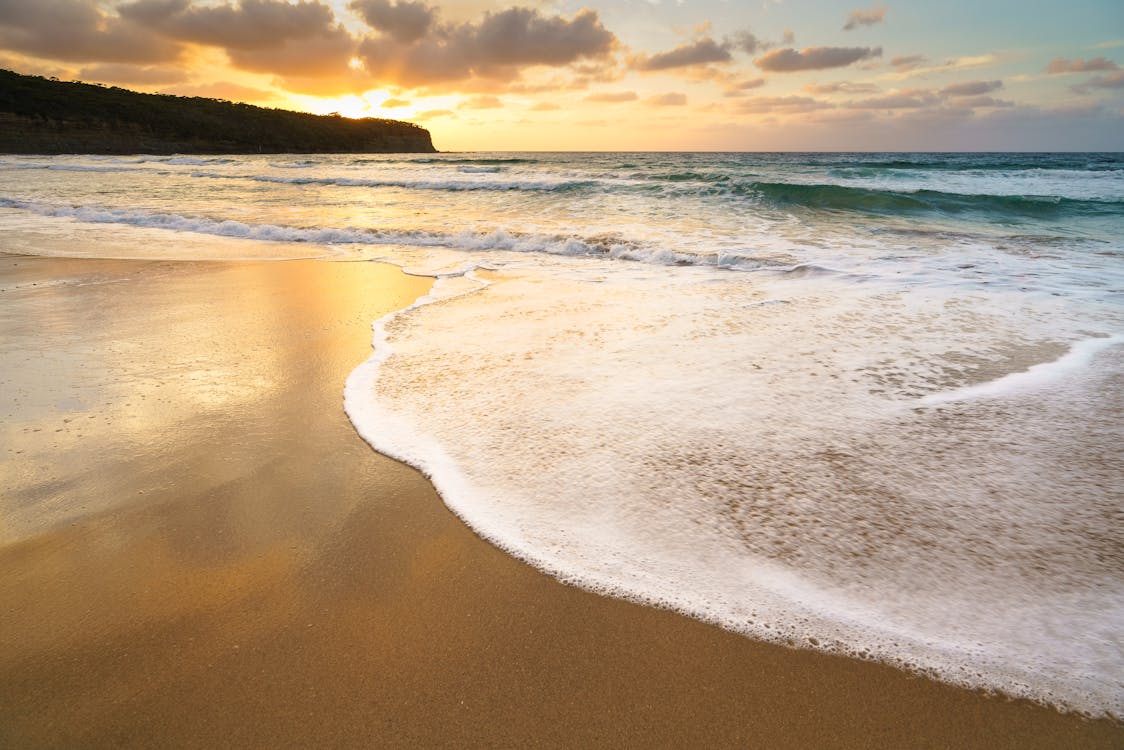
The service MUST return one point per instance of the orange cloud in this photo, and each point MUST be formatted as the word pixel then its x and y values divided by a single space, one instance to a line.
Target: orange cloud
pixel 907 62
pixel 1061 65
pixel 430 114
pixel 405 22
pixel 670 99
pixel 79 31
pixel 222 90
pixel 739 88
pixel 131 74
pixel 481 102
pixel 612 97
pixel 253 24
pixel 869 17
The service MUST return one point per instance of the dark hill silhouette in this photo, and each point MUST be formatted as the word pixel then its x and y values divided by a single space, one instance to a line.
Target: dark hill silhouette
pixel 46 116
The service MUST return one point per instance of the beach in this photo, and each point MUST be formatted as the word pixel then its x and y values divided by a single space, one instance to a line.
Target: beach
pixel 198 550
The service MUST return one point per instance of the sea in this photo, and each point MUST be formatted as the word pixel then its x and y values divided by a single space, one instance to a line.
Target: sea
pixel 869 404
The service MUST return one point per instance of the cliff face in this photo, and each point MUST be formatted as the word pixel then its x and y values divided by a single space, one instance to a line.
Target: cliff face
pixel 40 116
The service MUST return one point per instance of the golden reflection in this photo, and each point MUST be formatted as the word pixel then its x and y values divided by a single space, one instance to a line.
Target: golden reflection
pixel 133 381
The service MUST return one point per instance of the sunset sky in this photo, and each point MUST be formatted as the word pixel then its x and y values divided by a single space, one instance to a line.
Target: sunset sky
pixel 620 74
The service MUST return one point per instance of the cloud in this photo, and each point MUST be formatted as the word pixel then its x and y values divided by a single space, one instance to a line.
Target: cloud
pixel 1060 65
pixel 750 44
pixel 131 74
pixel 789 60
pixel 325 55
pixel 953 63
pixel 670 99
pixel 842 87
pixel 739 88
pixel 983 101
pixel 971 88
pixel 699 52
pixel 79 31
pixel 33 68
pixel 431 114
pixel 907 62
pixel 957 96
pixel 953 100
pixel 253 24
pixel 868 17
pixel 481 102
pixel 521 36
pixel 706 50
pixel 392 103
pixel 300 42
pixel 545 107
pixel 602 71
pixel 405 22
pixel 752 83
pixel 1111 81
pixel 612 97
pixel 540 86
pixel 497 47
pixel 781 104
pixel 893 101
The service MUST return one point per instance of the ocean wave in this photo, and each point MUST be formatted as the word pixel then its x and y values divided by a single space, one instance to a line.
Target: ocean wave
pixel 684 176
pixel 871 200
pixel 982 163
pixel 456 185
pixel 470 160
pixel 446 160
pixel 192 161
pixel 293 165
pixel 603 246
pixel 71 167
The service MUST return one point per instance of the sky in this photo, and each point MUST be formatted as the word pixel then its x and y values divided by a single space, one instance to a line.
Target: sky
pixel 664 75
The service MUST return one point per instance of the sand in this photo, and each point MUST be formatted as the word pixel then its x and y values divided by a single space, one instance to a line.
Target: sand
pixel 197 550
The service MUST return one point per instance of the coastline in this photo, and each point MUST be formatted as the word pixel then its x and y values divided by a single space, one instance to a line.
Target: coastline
pixel 228 563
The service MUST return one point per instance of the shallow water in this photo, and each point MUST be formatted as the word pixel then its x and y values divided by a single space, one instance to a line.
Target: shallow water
pixel 868 404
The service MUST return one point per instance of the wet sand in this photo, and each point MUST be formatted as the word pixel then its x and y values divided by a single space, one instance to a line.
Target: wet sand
pixel 197 550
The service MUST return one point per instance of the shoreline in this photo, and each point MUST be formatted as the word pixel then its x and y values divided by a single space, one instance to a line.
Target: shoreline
pixel 230 564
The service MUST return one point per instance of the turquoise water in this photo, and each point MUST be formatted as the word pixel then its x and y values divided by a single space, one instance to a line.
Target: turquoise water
pixel 862 403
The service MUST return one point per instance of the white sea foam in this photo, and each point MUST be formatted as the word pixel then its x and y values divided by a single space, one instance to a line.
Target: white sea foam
pixel 748 463
pixel 1039 375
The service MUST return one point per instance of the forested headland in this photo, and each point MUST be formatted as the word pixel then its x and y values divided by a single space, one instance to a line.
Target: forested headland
pixel 47 116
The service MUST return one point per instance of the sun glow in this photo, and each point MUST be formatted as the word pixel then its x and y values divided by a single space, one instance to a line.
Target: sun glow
pixel 350 105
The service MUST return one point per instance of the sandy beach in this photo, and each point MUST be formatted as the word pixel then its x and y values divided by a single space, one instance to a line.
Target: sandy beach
pixel 197 550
